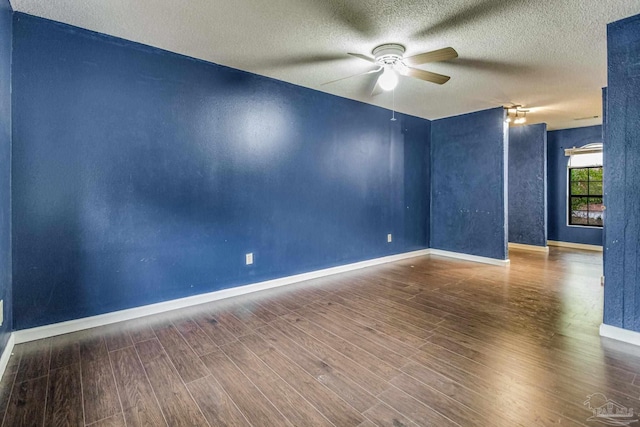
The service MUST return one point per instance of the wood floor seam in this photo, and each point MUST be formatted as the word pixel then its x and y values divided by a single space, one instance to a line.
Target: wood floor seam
pixel 115 382
pixel 149 381
pixel 292 386
pixel 252 382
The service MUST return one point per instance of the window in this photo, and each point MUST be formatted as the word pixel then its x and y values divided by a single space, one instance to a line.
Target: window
pixel 585 206
pixel 585 196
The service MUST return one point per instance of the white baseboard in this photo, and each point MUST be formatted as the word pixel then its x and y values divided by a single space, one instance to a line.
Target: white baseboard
pixel 532 248
pixel 46 331
pixel 6 354
pixel 620 334
pixel 467 257
pixel 575 245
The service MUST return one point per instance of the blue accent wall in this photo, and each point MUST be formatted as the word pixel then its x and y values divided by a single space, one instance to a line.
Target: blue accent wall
pixel 528 185
pixel 621 172
pixel 469 184
pixel 5 168
pixel 557 142
pixel 142 176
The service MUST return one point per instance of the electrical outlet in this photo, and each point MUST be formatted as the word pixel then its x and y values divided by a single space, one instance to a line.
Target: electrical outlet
pixel 389 238
pixel 249 258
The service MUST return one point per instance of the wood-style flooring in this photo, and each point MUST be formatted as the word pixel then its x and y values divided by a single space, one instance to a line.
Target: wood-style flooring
pixel 428 341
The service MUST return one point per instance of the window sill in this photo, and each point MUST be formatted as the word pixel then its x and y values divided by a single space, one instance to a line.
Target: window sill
pixel 585 226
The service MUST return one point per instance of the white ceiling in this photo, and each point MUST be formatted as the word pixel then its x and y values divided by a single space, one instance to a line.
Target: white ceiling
pixel 549 55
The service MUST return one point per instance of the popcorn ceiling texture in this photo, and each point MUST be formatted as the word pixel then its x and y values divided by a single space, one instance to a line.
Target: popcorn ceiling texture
pixel 547 54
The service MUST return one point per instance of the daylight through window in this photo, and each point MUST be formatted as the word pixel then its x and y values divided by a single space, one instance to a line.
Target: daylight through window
pixel 585 206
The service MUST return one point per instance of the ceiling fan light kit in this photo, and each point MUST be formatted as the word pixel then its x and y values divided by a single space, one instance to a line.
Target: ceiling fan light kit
pixel 388 56
pixel 388 80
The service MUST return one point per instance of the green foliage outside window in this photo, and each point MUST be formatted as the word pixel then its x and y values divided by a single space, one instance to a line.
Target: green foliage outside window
pixel 585 196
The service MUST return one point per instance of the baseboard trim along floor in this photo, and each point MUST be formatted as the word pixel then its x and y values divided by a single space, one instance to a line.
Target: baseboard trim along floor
pixel 532 248
pixel 575 245
pixel 46 331
pixel 620 334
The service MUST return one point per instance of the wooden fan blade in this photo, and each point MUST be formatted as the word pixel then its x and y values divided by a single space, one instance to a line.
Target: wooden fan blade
pixel 433 56
pixel 355 75
pixel 427 76
pixel 365 57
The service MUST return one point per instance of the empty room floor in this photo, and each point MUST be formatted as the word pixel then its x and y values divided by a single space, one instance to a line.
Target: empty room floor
pixel 425 341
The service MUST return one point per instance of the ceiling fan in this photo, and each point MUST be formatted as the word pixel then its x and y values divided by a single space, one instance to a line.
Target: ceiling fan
pixel 390 62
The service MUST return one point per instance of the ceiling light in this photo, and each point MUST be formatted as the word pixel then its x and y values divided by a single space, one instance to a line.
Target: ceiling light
pixel 522 119
pixel 389 79
pixel 509 118
pixel 519 117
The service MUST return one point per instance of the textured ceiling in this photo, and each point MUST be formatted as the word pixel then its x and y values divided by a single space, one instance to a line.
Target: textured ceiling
pixel 549 55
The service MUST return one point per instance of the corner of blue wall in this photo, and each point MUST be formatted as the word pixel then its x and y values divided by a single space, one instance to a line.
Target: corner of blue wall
pixel 6 278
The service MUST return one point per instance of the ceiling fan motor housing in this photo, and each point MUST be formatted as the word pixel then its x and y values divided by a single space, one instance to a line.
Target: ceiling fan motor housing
pixel 388 54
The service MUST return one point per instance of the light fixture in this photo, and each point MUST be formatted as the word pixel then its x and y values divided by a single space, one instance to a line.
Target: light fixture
pixel 510 119
pixel 519 117
pixel 522 119
pixel 389 79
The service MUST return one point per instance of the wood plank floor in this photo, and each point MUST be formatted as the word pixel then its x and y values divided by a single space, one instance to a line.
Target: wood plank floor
pixel 428 341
